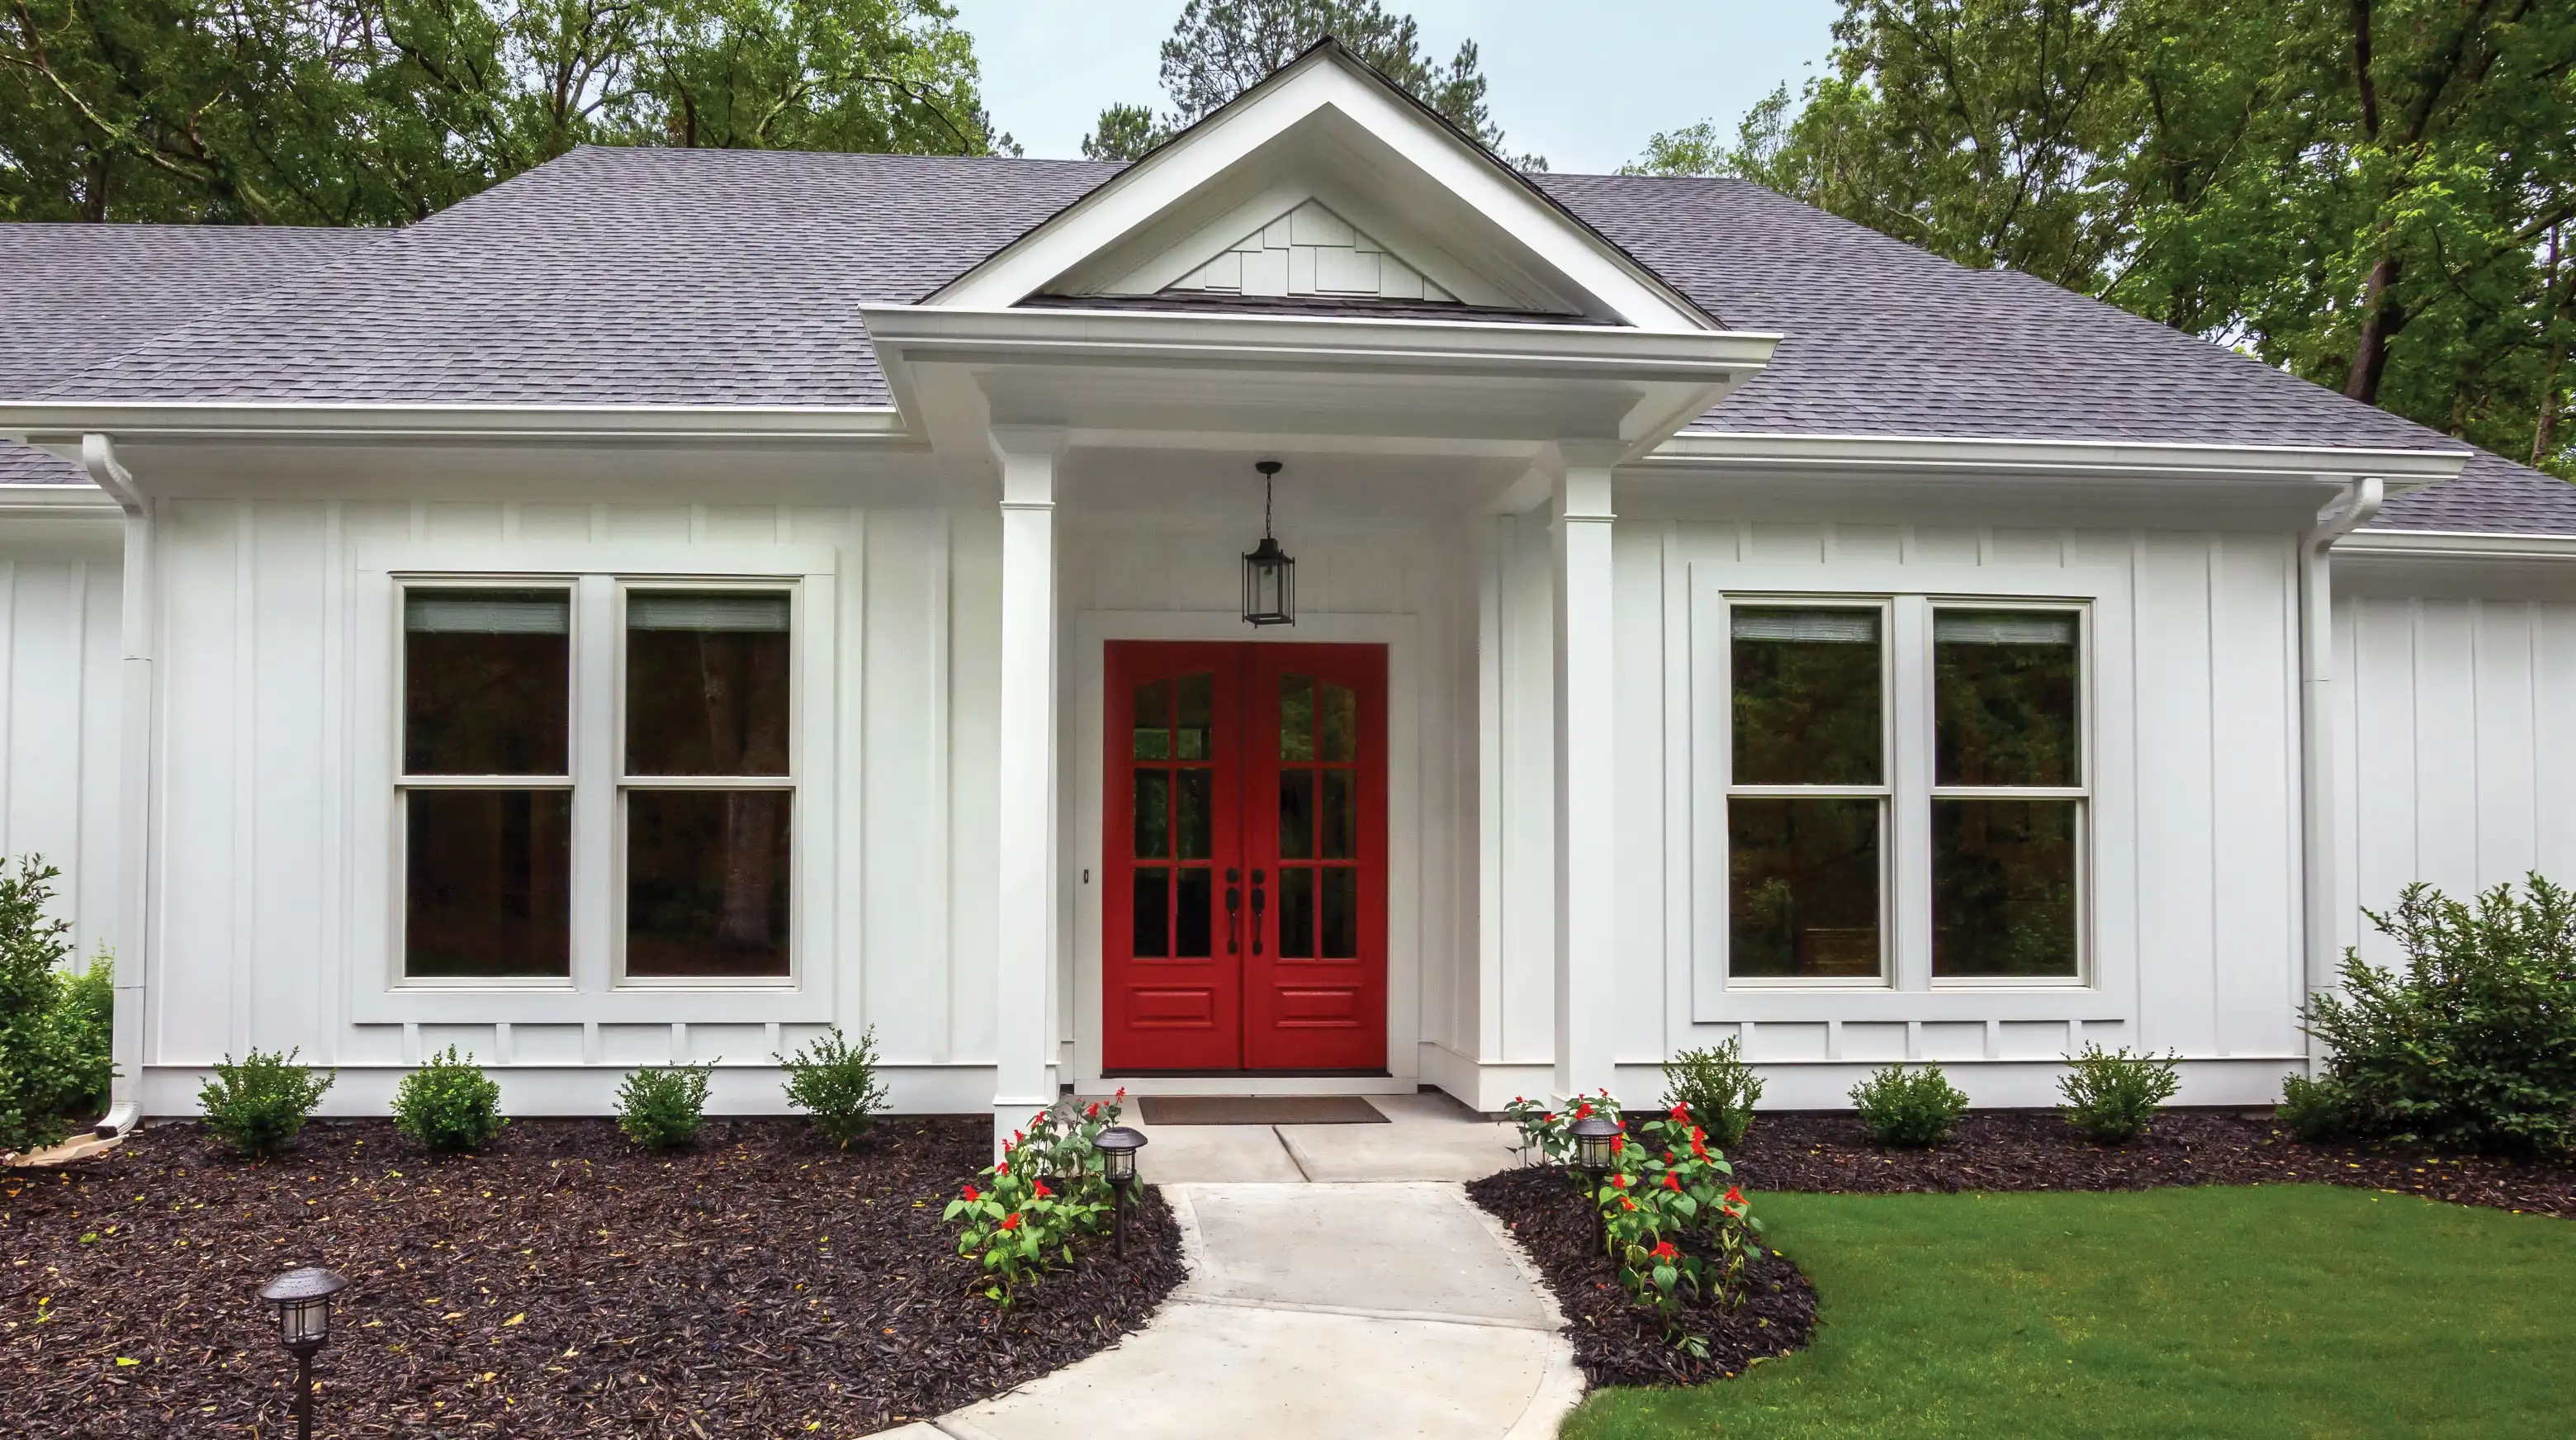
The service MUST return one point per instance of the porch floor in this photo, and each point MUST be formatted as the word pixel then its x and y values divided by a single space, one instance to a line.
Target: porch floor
pixel 1427 1137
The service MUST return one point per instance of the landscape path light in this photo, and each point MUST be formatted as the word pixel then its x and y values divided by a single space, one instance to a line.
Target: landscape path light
pixel 303 1300
pixel 1594 1135
pixel 1118 1146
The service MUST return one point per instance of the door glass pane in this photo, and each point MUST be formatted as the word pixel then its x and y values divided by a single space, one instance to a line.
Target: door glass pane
pixel 1807 705
pixel 1341 815
pixel 706 882
pixel 1194 738
pixel 706 683
pixel 1297 913
pixel 1297 718
pixel 1154 721
pixel 1297 814
pixel 1341 914
pixel 487 883
pixel 486 682
pixel 2004 694
pixel 1802 896
pixel 2003 887
pixel 1194 823
pixel 1153 900
pixel 1341 722
pixel 1191 915
pixel 1153 814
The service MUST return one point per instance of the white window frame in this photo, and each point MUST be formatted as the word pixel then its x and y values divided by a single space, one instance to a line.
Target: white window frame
pixel 1884 792
pixel 598 571
pixel 2107 974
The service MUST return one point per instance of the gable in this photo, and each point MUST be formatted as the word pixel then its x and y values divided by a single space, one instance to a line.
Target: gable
pixel 1310 251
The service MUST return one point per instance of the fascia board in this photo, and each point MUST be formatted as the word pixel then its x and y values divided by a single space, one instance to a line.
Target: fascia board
pixel 2399 469
pixel 930 333
pixel 2454 545
pixel 1131 199
pixel 51 422
pixel 74 502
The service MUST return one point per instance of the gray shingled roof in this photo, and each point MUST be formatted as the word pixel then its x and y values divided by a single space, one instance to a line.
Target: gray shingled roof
pixel 734 277
pixel 77 295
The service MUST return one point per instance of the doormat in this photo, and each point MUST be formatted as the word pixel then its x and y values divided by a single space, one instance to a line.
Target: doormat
pixel 1259 1110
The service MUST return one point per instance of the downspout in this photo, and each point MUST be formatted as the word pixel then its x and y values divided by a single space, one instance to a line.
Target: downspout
pixel 2355 507
pixel 134 782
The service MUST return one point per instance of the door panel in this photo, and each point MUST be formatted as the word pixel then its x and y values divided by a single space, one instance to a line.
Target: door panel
pixel 1244 884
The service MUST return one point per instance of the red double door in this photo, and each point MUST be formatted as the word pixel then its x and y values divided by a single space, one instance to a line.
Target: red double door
pixel 1244 890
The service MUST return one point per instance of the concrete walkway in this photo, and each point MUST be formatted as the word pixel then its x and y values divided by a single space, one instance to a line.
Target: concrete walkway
pixel 1341 1284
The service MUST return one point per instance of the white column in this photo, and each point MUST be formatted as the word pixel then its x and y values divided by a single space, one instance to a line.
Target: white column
pixel 1023 1068
pixel 1586 996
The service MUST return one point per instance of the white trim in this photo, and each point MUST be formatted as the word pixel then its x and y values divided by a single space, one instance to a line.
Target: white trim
pixel 2402 469
pixel 1399 633
pixel 51 424
pixel 2452 545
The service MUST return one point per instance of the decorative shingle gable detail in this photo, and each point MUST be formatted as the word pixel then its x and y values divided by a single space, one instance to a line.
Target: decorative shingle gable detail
pixel 1311 251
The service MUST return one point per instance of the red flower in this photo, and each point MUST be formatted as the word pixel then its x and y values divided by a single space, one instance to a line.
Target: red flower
pixel 1626 1203
pixel 1668 1157
pixel 1003 1168
pixel 1018 1137
pixel 1618 1143
pixel 1582 1110
pixel 1122 1092
pixel 1672 1181
pixel 1682 1113
pixel 1550 1117
pixel 1094 1110
pixel 1619 1180
pixel 1664 1250
pixel 1011 1221
pixel 1734 1196
pixel 1042 1190
pixel 974 1194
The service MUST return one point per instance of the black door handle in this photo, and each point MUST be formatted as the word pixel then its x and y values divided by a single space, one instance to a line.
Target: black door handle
pixel 1257 904
pixel 1233 912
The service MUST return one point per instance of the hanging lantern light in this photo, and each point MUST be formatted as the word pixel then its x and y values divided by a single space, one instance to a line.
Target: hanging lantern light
pixel 1269 575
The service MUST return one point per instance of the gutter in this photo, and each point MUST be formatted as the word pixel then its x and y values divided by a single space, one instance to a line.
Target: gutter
pixel 61 425
pixel 1734 451
pixel 2357 506
pixel 2454 545
pixel 134 782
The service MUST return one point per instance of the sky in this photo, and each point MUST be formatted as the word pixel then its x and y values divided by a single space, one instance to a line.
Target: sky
pixel 1586 95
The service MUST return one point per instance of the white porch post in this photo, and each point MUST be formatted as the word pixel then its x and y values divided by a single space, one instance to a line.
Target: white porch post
pixel 1585 986
pixel 1025 948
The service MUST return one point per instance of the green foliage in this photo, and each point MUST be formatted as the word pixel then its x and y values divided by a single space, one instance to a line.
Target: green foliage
pixel 1912 1109
pixel 1547 1136
pixel 836 1083
pixel 1675 1221
pixel 377 112
pixel 659 1109
pixel 448 1104
pixel 2471 1042
pixel 2312 1109
pixel 2380 198
pixel 1220 48
pixel 1045 1193
pixel 52 1027
pixel 258 1103
pixel 89 1028
pixel 2113 1095
pixel 1717 1088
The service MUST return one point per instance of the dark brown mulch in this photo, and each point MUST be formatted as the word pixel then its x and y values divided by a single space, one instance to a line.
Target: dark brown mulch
pixel 563 1283
pixel 1616 1340
pixel 2038 1150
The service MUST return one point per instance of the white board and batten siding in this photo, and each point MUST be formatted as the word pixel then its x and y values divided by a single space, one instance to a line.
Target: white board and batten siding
pixel 59 688
pixel 2192 921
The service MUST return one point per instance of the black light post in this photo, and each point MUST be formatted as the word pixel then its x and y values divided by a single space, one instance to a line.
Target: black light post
pixel 1593 1135
pixel 1118 1146
pixel 303 1301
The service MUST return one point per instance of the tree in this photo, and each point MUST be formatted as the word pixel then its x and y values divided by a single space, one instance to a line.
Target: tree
pixel 1220 48
pixel 2375 194
pixel 369 112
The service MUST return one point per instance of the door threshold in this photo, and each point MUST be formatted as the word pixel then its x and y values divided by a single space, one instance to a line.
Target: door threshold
pixel 1246 1075
pixel 1237 1082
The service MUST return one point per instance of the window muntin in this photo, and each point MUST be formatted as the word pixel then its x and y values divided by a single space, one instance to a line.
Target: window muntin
pixel 485 799
pixel 707 797
pixel 1808 810
pixel 2008 795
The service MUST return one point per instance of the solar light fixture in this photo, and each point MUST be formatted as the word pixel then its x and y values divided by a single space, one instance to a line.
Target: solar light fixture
pixel 1269 574
pixel 302 1299
pixel 1118 1146
pixel 1593 1136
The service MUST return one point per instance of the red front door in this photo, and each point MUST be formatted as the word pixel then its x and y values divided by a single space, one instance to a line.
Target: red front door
pixel 1243 894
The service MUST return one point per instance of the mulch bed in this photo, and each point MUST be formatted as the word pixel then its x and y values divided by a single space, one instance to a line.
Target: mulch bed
pixel 562 1283
pixel 1618 1342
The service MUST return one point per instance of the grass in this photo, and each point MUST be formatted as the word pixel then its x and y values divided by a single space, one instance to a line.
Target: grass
pixel 2283 1310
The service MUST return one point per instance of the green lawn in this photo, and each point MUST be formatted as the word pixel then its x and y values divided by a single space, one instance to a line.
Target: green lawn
pixel 2288 1310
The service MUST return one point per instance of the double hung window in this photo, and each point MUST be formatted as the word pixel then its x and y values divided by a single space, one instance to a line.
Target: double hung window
pixel 1816 789
pixel 498 843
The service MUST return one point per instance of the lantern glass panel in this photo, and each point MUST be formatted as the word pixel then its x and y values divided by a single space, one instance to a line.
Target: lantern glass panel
pixel 305 1322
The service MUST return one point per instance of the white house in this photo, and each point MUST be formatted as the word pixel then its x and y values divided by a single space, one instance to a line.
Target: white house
pixel 679 600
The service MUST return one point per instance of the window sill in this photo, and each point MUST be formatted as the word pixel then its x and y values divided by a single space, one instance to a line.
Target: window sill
pixel 561 1005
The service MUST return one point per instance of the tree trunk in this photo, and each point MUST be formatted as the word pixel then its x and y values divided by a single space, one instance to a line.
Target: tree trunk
pixel 2381 318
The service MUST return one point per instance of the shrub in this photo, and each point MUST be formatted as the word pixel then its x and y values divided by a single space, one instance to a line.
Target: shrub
pixel 89 1017
pixel 1914 1109
pixel 2471 1042
pixel 1045 1192
pixel 258 1103
pixel 661 1108
pixel 1717 1088
pixel 448 1104
pixel 2312 1109
pixel 2112 1094
pixel 44 1075
pixel 836 1082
